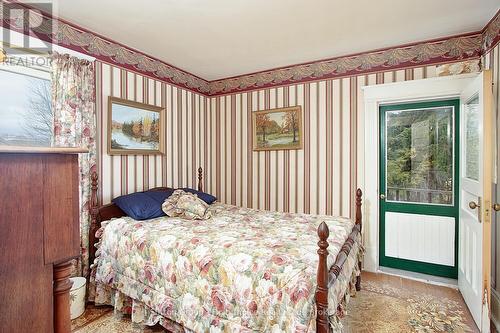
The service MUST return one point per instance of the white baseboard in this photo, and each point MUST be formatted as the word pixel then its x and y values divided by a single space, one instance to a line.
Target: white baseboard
pixel 370 260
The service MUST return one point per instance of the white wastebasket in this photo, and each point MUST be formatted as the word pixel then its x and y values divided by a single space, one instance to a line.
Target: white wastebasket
pixel 77 296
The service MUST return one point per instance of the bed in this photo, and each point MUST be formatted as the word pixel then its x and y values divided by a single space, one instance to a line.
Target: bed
pixel 242 270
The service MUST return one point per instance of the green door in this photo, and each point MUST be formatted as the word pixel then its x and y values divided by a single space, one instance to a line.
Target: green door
pixel 418 187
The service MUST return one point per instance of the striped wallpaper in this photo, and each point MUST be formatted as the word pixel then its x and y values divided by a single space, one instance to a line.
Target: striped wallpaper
pixel 318 179
pixel 215 133
pixel 185 134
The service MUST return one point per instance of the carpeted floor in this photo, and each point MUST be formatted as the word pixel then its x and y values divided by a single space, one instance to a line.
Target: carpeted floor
pixel 386 304
pixel 392 304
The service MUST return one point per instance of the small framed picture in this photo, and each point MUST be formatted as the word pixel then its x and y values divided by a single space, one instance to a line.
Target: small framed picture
pixel 278 129
pixel 135 128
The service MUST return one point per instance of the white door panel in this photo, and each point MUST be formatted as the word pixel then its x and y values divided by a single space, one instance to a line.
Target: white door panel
pixel 475 198
pixel 425 238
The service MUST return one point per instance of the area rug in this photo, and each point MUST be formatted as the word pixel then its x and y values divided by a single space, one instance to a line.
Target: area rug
pixel 382 307
pixel 102 319
pixel 386 304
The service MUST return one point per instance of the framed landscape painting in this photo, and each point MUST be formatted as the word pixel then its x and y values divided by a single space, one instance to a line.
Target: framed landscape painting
pixel 135 128
pixel 277 129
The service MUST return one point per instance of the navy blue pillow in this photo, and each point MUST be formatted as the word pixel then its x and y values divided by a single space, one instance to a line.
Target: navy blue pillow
pixel 208 198
pixel 159 196
pixel 143 205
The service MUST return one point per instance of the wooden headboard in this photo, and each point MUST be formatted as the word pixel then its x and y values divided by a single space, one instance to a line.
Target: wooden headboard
pixel 109 211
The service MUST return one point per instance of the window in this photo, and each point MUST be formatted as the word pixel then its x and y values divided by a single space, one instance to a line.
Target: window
pixel 472 139
pixel 420 155
pixel 26 106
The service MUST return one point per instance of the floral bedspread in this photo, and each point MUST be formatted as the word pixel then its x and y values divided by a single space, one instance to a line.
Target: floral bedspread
pixel 242 270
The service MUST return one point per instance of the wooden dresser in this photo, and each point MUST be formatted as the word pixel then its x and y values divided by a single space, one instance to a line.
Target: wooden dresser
pixel 39 228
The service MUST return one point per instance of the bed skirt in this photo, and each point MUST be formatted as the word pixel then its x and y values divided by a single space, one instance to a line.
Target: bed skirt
pixel 341 291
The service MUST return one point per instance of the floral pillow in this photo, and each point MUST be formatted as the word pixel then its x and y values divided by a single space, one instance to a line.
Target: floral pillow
pixel 186 205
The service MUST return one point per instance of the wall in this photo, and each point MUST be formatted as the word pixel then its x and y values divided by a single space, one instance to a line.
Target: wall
pixel 215 133
pixel 185 114
pixel 320 178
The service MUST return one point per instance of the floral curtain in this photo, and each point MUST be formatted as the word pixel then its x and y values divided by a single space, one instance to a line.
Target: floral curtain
pixel 74 124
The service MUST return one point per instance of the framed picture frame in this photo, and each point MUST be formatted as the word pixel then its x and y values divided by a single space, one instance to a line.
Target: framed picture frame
pixel 135 128
pixel 277 129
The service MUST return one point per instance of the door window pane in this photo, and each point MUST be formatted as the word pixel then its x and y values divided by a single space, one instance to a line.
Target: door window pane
pixel 472 139
pixel 419 155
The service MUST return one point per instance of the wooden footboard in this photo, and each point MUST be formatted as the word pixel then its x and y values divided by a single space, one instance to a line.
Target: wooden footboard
pixel 327 276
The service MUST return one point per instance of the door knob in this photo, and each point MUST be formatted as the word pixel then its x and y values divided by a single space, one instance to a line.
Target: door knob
pixel 496 207
pixel 382 196
pixel 473 205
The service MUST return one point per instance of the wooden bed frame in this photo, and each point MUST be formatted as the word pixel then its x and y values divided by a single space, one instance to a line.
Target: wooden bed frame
pixel 325 276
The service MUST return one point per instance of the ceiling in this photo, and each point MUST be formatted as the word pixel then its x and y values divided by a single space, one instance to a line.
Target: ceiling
pixel 217 39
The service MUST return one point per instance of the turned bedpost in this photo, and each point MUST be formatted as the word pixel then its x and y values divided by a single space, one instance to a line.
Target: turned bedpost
pixel 359 221
pixel 359 214
pixel 322 322
pixel 200 179
pixel 94 211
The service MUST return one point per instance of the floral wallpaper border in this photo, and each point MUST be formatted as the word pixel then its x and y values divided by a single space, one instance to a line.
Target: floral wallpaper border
pixel 491 34
pixel 441 51
pixel 444 50
pixel 57 31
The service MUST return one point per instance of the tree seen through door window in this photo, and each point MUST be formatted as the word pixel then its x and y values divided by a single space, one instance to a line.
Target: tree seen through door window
pixel 420 155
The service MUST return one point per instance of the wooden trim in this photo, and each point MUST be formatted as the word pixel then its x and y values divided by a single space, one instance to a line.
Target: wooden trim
pixel 488 121
pixel 43 150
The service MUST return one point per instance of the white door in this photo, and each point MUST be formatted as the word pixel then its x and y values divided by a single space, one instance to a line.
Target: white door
pixel 474 264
